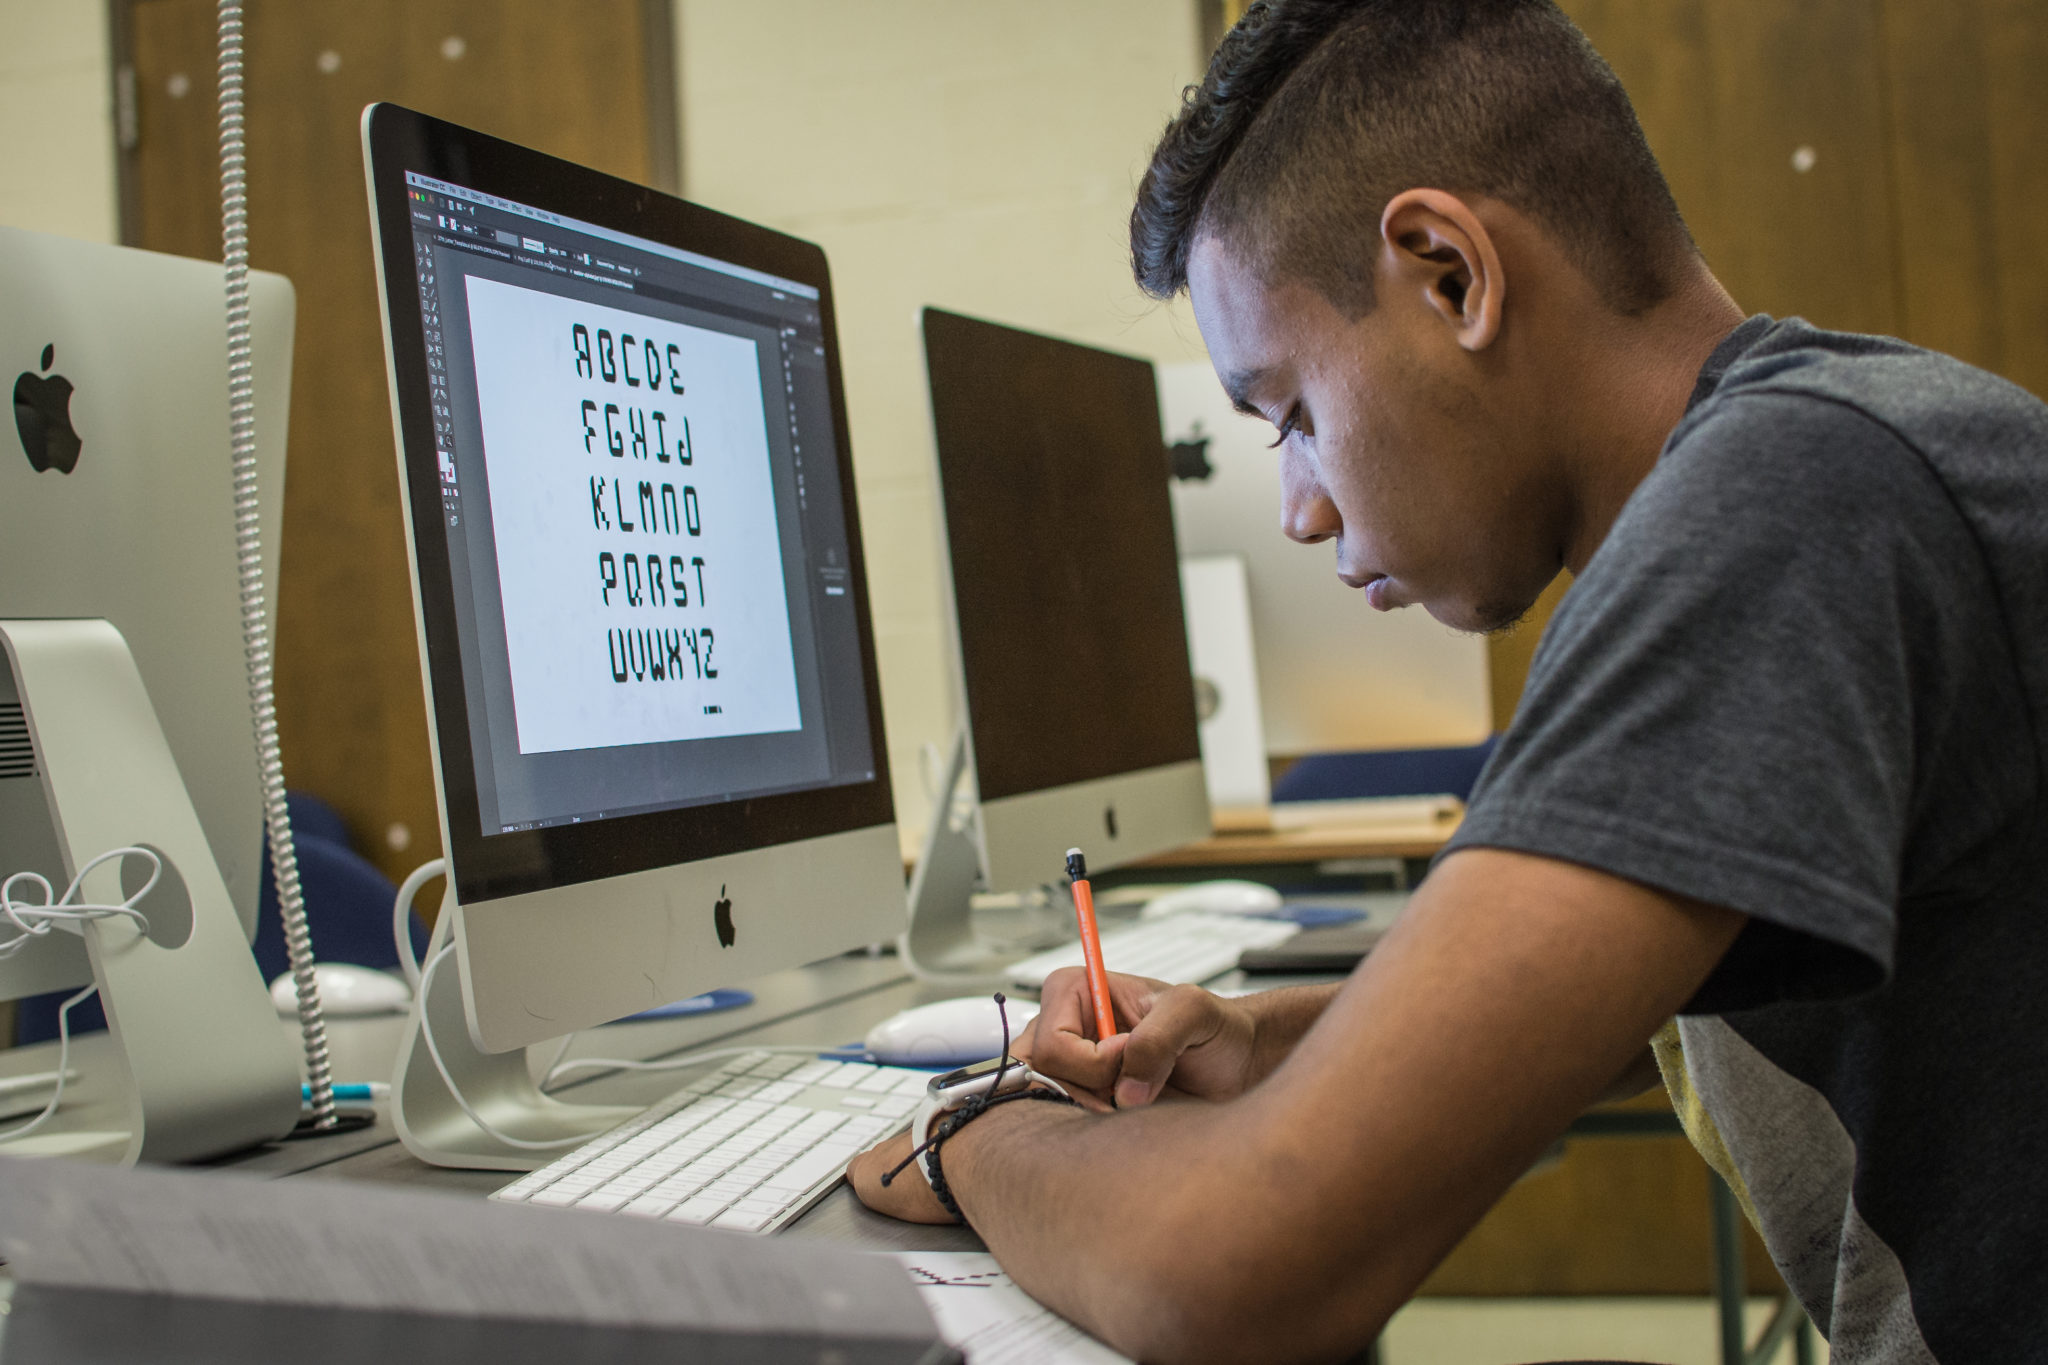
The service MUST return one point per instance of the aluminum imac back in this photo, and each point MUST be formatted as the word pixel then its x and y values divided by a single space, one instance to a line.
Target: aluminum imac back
pixel 1064 593
pixel 1333 673
pixel 639 581
pixel 133 522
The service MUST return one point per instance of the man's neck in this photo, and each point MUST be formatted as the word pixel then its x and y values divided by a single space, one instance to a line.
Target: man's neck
pixel 1626 390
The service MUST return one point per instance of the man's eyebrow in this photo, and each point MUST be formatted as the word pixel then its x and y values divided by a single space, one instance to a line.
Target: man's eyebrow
pixel 1237 386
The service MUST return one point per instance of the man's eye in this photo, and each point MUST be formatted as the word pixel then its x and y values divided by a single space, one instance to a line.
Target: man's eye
pixel 1288 426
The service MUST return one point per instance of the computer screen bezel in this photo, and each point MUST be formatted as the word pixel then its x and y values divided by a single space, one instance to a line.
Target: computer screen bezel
pixel 1118 814
pixel 497 865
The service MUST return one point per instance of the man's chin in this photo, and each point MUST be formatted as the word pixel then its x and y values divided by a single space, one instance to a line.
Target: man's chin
pixel 1484 619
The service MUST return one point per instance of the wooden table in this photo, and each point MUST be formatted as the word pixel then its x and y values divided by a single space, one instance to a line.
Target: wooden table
pixel 1249 841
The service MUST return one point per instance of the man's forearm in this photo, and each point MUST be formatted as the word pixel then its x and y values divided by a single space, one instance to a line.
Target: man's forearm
pixel 1281 1018
pixel 1087 1213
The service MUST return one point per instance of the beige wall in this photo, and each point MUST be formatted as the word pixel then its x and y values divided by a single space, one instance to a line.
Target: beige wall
pixel 56 119
pixel 976 156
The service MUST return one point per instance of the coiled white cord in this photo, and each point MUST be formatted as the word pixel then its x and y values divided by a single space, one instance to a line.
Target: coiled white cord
pixel 284 862
pixel 31 920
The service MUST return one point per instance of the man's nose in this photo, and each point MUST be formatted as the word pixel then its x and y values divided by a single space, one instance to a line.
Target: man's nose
pixel 1306 512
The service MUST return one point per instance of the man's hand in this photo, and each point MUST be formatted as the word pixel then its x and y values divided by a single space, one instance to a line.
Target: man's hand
pixel 907 1196
pixel 1177 1040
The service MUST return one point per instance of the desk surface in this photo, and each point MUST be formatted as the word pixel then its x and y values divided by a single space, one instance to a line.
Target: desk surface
pixel 828 1003
pixel 1312 844
pixel 1242 840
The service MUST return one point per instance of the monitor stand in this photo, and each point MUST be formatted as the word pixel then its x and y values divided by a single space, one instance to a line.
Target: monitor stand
pixel 428 1094
pixel 208 1067
pixel 940 944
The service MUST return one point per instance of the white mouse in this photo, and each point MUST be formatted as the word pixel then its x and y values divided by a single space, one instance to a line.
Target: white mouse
pixel 346 990
pixel 1214 898
pixel 947 1032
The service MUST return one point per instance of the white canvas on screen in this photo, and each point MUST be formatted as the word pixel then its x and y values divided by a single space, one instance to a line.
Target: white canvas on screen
pixel 644 596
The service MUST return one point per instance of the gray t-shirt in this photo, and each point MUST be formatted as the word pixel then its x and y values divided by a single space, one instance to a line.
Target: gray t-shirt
pixel 1806 677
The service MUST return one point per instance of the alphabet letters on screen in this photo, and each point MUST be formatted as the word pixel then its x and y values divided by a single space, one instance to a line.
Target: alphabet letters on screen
pixel 634 512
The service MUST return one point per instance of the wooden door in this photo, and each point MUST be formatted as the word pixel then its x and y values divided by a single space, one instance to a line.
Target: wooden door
pixel 591 82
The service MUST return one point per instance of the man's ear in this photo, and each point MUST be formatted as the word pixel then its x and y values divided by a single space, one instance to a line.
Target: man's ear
pixel 1434 244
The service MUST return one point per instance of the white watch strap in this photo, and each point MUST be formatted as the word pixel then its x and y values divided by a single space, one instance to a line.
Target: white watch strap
pixel 932 1106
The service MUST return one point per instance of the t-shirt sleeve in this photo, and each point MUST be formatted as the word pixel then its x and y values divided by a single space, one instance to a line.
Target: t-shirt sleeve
pixel 1729 701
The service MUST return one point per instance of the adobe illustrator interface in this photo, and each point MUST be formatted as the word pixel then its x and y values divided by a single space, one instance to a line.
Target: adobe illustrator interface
pixel 648 542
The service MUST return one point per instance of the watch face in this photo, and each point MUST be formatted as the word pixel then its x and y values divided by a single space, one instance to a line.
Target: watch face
pixel 969 1080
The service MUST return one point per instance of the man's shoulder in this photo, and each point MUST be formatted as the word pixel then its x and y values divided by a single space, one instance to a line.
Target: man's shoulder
pixel 1807 383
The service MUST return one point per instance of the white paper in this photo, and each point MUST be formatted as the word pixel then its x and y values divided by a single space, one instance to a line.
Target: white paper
pixel 982 1312
pixel 335 1245
pixel 644 597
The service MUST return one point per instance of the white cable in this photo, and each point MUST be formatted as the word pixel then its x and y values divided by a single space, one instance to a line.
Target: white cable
pixel 557 1067
pixel 63 1063
pixel 401 917
pixel 671 1063
pixel 32 920
pixel 434 1051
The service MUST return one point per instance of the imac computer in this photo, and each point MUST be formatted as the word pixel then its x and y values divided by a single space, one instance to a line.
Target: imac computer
pixel 643 618
pixel 1064 592
pixel 124 692
pixel 1333 673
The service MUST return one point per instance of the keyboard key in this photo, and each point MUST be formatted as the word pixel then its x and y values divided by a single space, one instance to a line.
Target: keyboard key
pixel 741 1162
pixel 801 1175
pixel 738 1220
pixel 698 1210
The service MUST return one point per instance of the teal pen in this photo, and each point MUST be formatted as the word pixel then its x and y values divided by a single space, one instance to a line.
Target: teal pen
pixel 359 1093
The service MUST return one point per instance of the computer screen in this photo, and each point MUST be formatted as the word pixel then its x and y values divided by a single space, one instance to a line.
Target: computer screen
pixel 636 553
pixel 1066 592
pixel 643 518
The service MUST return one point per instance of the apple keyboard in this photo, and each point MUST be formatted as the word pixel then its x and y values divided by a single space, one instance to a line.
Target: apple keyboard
pixel 748 1147
pixel 1178 949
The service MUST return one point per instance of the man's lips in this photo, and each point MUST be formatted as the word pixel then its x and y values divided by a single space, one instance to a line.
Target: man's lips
pixel 1377 586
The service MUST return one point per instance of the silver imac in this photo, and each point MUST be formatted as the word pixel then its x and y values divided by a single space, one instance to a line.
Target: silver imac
pixel 638 578
pixel 1332 673
pixel 1065 598
pixel 116 503
pixel 124 691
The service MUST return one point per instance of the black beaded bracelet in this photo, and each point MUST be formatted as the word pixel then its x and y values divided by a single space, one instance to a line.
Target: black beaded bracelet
pixel 959 1119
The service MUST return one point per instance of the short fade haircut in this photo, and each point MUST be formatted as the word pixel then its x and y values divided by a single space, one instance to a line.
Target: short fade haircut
pixel 1315 113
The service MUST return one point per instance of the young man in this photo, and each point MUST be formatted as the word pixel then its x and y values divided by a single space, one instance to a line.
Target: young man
pixel 1777 771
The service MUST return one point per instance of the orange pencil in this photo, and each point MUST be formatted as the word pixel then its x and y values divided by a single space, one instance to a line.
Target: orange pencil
pixel 1091 945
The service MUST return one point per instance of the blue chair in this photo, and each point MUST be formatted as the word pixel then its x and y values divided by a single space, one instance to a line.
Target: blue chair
pixel 1384 772
pixel 348 908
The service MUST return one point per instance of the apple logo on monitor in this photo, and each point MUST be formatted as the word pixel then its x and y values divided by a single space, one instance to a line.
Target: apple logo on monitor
pixel 721 919
pixel 42 417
